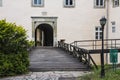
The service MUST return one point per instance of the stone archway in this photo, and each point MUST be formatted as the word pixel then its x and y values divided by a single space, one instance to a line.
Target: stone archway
pixel 44 35
pixel 42 26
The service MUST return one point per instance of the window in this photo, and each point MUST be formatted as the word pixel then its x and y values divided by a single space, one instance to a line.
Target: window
pixel 99 3
pixel 113 27
pixel 115 3
pixel 69 3
pixel 37 3
pixel 0 3
pixel 98 33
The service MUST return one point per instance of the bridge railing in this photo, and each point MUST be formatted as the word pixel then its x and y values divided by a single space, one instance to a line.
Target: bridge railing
pixel 80 53
pixel 96 44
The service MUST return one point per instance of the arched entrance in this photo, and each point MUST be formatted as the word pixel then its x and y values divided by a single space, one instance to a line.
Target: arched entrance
pixel 44 35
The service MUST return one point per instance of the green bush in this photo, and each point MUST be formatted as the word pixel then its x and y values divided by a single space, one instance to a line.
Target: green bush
pixel 110 74
pixel 31 44
pixel 14 58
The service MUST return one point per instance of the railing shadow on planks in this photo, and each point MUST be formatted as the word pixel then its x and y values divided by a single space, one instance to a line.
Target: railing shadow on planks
pixel 80 53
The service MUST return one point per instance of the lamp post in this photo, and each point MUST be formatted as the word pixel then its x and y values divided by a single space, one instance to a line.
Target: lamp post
pixel 102 23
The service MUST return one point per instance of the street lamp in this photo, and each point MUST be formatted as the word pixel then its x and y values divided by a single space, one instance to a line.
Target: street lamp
pixel 102 23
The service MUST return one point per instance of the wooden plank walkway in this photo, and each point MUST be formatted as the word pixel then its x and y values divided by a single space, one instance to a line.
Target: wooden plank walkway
pixel 54 59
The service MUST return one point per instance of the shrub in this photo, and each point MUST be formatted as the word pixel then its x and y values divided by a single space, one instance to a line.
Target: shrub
pixel 31 44
pixel 110 74
pixel 13 49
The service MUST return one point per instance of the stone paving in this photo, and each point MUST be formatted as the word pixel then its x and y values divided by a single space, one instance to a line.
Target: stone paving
pixel 52 75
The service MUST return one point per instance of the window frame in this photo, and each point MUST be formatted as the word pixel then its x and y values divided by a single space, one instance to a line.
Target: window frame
pixel 99 4
pixel 113 27
pixel 98 36
pixel 114 3
pixel 69 5
pixel 37 5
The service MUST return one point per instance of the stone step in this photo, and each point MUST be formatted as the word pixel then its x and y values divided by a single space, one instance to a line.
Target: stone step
pixel 56 69
pixel 45 47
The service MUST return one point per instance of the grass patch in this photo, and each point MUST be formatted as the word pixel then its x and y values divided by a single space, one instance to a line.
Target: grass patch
pixel 110 74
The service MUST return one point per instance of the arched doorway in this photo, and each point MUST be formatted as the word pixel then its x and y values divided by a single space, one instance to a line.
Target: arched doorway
pixel 44 35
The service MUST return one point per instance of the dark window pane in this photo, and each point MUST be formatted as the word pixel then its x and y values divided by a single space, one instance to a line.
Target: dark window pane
pixel 35 1
pixel 96 33
pixel 100 37
pixel 116 2
pixel 100 29
pixel 39 1
pixel 97 2
pixel 101 2
pixel 96 37
pixel 66 2
pixel 96 28
pixel 71 2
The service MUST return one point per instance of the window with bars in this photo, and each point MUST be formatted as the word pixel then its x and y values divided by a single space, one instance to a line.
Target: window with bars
pixel 99 3
pixel 98 33
pixel 69 3
pixel 37 3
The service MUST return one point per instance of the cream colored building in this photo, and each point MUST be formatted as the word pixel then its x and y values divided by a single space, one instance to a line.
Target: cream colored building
pixel 48 21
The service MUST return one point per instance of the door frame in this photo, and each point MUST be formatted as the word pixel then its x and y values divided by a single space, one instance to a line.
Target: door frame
pixel 52 21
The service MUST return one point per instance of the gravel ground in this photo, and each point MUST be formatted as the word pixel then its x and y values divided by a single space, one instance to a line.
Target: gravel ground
pixel 52 75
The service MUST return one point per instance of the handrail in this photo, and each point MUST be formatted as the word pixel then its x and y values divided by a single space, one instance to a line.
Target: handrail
pixel 80 53
pixel 94 40
pixel 95 44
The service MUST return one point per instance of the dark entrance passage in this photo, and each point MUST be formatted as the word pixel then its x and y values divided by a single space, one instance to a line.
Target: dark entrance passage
pixel 44 35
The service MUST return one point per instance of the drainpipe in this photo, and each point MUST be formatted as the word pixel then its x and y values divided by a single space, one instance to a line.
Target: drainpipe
pixel 107 27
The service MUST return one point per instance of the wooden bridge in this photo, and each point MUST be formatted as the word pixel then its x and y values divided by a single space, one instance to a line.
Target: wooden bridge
pixel 74 56
pixel 82 49
pixel 54 59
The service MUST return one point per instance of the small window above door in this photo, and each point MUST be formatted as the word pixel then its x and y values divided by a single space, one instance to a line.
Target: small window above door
pixel 37 3
pixel 115 3
pixel 69 3
pixel 99 3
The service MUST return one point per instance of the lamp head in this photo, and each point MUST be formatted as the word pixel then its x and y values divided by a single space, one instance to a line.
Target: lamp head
pixel 103 21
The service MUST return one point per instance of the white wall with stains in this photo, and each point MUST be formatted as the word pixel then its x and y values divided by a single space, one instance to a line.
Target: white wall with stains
pixel 76 23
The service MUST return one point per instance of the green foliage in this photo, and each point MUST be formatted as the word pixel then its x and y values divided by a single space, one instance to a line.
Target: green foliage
pixel 31 44
pixel 109 75
pixel 13 49
pixel 12 38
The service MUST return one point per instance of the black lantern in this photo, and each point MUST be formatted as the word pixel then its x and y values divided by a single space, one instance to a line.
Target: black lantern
pixel 102 23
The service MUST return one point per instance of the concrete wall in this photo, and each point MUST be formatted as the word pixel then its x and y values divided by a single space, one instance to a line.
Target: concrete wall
pixel 76 23
pixel 114 15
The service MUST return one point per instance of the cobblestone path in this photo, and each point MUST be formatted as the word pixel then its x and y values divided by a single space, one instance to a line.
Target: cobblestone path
pixel 54 75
